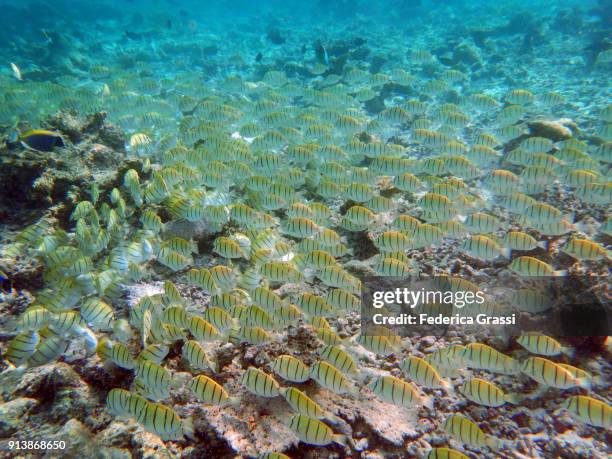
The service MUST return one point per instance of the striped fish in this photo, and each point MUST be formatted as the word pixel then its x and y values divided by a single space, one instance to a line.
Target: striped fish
pixel 468 432
pixel 155 376
pixel 583 249
pixel 164 422
pixel 401 393
pixel 589 410
pixel 195 354
pixel 314 305
pixel 118 353
pixel 483 357
pixel 251 335
pixel 377 344
pixel 154 353
pixel 117 402
pixel 259 383
pixel 339 358
pixel 210 392
pixel 543 345
pixel 485 393
pixel 291 369
pixel 422 373
pixel 304 405
pixel 32 319
pixel 447 360
pixel 48 349
pixel 331 378
pixel 314 432
pixel 97 314
pixel 550 374
pixel 530 266
pixel 203 330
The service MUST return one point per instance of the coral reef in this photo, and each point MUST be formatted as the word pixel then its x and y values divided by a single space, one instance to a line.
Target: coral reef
pixel 33 182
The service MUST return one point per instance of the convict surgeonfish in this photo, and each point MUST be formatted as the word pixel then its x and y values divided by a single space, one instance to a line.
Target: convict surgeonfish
pixel 589 410
pixel 313 431
pixel 485 393
pixel 398 392
pixel 422 373
pixel 468 432
pixel 164 421
pixel 550 374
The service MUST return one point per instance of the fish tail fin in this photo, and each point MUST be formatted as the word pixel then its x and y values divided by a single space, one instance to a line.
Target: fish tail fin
pixel 585 383
pixel 506 253
pixel 448 386
pixel 561 272
pixel 14 371
pixel 569 351
pixel 309 274
pixel 581 226
pixel 514 398
pixel 340 439
pixel 234 401
pixel 227 334
pixel 332 418
pixel 91 341
pixel 494 443
pixel 558 410
pixel 188 427
pixel 214 364
pixel 354 390
pixel 428 402
pixel 361 377
pixel 543 245
pixel 233 335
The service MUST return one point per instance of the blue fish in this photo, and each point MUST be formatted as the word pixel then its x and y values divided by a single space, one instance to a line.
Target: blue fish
pixel 41 139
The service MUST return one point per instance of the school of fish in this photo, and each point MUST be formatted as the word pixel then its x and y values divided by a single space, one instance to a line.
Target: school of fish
pixel 283 172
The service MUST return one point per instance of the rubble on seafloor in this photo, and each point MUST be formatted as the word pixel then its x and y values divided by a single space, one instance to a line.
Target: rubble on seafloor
pixel 66 400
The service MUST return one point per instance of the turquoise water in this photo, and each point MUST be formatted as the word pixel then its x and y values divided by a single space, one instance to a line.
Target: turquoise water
pixel 194 196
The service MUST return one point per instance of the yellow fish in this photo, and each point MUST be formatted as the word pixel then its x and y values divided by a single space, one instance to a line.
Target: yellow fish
pixel 550 374
pixel 313 431
pixel 468 432
pixel 589 410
